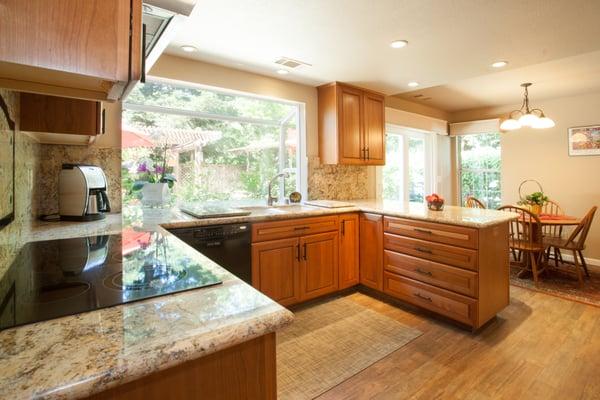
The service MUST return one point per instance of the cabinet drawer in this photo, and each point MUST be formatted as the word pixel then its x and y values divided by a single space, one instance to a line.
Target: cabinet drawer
pixel 293 228
pixel 457 256
pixel 440 233
pixel 452 305
pixel 444 276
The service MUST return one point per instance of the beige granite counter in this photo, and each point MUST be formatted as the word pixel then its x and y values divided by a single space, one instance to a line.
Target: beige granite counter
pixel 75 356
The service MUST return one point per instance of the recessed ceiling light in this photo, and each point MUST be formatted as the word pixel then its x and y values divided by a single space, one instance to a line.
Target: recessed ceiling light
pixel 398 44
pixel 283 71
pixel 188 49
pixel 500 64
pixel 413 84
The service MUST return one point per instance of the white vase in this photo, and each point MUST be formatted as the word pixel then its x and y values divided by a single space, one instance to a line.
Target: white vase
pixel 155 194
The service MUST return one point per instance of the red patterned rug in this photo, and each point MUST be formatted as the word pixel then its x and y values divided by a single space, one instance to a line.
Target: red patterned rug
pixel 562 284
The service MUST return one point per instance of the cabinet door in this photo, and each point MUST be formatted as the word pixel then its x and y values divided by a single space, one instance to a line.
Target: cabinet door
pixel 371 250
pixel 374 128
pixel 276 269
pixel 350 125
pixel 348 264
pixel 319 267
pixel 50 114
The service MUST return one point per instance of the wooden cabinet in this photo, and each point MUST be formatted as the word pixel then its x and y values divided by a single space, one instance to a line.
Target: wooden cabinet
pixel 300 266
pixel 371 250
pixel 276 269
pixel 86 49
pixel 351 125
pixel 349 274
pixel 319 265
pixel 51 114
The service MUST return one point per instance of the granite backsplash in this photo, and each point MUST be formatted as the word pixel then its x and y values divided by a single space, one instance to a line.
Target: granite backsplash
pixel 53 156
pixel 336 182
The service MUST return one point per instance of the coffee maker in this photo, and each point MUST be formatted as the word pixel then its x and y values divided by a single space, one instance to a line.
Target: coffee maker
pixel 82 193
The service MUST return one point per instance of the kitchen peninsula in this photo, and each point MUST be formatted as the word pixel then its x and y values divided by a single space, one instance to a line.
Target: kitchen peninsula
pixel 137 342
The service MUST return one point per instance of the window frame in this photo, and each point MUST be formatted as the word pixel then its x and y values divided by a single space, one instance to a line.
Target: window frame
pixel 300 120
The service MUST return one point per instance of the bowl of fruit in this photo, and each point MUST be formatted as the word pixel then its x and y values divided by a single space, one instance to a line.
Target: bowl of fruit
pixel 435 202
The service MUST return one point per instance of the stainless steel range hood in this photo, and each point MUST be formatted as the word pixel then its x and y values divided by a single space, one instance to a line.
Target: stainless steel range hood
pixel 162 19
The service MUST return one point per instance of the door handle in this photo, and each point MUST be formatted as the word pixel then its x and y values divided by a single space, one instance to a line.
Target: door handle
pixel 423 250
pixel 368 154
pixel 305 252
pixel 364 153
pixel 419 295
pixel 298 252
pixel 343 227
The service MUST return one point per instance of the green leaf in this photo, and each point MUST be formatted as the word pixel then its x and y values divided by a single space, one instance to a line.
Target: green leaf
pixel 137 185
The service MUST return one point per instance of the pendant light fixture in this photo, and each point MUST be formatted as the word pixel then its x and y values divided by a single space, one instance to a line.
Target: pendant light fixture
pixel 525 116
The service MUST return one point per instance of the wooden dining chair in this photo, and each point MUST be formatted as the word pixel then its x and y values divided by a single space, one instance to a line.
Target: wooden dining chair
pixel 473 202
pixel 575 243
pixel 551 207
pixel 525 238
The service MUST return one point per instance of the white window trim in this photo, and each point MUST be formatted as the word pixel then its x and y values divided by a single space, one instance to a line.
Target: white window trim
pixel 301 157
pixel 431 176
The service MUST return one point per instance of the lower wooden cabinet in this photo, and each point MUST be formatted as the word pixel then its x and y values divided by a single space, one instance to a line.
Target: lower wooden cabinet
pixel 318 265
pixel 349 273
pixel 371 250
pixel 276 269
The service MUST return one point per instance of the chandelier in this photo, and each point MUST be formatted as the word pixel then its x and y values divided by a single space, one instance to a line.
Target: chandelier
pixel 525 116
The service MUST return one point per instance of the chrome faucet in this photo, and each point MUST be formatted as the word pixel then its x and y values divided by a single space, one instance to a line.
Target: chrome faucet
pixel 271 199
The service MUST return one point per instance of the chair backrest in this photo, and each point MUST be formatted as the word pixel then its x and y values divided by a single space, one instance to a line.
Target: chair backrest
pixel 579 234
pixel 525 231
pixel 551 207
pixel 473 202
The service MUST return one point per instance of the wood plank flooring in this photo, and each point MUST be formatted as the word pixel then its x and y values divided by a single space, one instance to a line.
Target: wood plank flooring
pixel 540 347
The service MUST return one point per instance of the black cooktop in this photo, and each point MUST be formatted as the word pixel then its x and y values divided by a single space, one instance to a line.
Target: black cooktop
pixel 55 278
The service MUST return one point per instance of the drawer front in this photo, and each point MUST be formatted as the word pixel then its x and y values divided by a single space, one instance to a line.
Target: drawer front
pixel 440 275
pixel 454 306
pixel 440 233
pixel 442 253
pixel 293 228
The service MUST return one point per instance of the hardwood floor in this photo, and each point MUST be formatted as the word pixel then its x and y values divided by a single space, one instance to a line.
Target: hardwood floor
pixel 540 347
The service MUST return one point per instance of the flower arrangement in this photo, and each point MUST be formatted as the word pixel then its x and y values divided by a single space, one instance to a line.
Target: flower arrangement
pixel 154 169
pixel 534 201
pixel 435 202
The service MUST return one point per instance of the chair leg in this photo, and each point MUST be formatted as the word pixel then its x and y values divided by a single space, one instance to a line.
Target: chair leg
pixel 559 255
pixel 534 270
pixel 556 257
pixel 585 268
pixel 577 269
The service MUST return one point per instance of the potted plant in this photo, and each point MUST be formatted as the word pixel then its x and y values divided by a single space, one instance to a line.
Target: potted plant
pixel 154 178
pixel 534 202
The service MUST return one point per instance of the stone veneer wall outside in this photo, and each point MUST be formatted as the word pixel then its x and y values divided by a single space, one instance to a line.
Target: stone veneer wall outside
pixel 27 167
pixel 336 182
pixel 53 156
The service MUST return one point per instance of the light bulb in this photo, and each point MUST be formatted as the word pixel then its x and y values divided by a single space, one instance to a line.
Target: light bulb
pixel 543 123
pixel 510 125
pixel 528 119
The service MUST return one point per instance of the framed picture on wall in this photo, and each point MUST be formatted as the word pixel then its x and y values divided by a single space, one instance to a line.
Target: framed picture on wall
pixel 7 165
pixel 584 140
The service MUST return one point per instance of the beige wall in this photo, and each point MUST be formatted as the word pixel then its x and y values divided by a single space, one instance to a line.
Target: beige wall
pixel 543 155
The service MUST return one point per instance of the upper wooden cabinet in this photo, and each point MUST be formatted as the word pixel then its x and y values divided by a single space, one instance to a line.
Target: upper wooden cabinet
pixel 86 49
pixel 51 114
pixel 351 125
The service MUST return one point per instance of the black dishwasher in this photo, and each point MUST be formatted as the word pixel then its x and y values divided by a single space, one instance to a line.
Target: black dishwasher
pixel 227 245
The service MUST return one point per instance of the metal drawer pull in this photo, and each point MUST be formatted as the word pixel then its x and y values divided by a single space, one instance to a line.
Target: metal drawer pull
pixel 423 250
pixel 422 231
pixel 422 272
pixel 298 254
pixel 305 252
pixel 419 295
pixel 300 228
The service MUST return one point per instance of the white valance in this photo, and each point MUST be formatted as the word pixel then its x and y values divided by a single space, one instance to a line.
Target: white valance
pixel 475 127
pixel 415 121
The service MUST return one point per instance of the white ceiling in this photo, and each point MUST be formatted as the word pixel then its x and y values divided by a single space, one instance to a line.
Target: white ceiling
pixel 451 43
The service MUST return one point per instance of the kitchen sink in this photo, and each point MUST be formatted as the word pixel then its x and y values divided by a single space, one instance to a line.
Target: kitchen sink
pixel 278 209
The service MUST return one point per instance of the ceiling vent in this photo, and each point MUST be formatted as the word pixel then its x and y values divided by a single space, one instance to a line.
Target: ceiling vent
pixel 291 63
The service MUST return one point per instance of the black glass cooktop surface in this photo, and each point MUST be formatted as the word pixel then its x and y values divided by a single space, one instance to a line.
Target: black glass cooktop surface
pixel 55 278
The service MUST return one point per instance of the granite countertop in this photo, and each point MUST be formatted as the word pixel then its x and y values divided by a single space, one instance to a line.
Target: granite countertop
pixel 75 356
